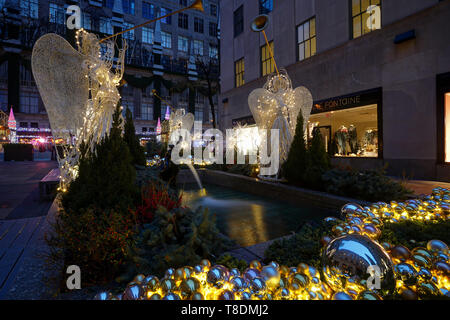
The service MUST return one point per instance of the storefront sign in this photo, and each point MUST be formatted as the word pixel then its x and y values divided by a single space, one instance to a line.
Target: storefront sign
pixel 348 101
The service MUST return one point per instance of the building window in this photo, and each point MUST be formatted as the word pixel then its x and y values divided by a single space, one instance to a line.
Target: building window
pixel 183 44
pixel 165 11
pixel 366 16
pixel 166 40
pixel 213 51
pixel 267 66
pixel 57 14
pixel 129 35
pixel 128 6
pixel 198 25
pixel 351 132
pixel 147 35
pixel 29 100
pixel 148 10
pixel 34 125
pixel 306 39
pixel 239 72
pixel 213 29
pixel 108 3
pixel 238 21
pixel 87 23
pixel 197 47
pixel 265 6
pixel 147 110
pixel 183 3
pixel 183 21
pixel 29 8
pixel 105 26
pixel 23 125
pixel 213 10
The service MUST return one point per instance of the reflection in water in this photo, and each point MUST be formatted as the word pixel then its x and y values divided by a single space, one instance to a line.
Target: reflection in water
pixel 250 219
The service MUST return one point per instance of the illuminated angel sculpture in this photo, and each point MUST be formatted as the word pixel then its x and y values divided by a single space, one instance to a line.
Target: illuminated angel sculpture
pixel 79 91
pixel 277 106
pixel 180 120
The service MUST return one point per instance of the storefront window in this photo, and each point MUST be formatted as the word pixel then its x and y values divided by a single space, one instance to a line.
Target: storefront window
pixel 350 132
pixel 447 127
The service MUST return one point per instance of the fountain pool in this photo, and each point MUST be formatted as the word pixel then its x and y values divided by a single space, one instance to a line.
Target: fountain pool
pixel 250 219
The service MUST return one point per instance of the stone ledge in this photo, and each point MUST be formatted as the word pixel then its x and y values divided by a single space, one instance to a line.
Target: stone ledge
pixel 272 190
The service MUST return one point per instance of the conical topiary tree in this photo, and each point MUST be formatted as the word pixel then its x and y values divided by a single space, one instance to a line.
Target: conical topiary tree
pixel 137 152
pixel 106 178
pixel 297 162
pixel 319 162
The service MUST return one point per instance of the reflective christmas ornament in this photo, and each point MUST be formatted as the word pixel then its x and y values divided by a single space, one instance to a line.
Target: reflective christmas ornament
pixel 369 295
pixel 257 284
pixel 425 274
pixel 246 296
pixel 341 296
pixel 408 294
pixel 238 283
pixel 198 268
pixel 103 296
pixel 215 275
pixel 167 285
pixel 197 296
pixel 427 289
pixel 255 265
pixel 285 293
pixel 443 268
pixel 205 263
pixel 226 295
pixel 155 296
pixel 421 261
pixel 407 273
pixel 225 271
pixel 139 279
pixel 133 292
pixel 348 258
pixel 171 296
pixel 250 274
pixel 422 251
pixel 437 246
pixel 179 274
pixel 371 231
pixel 299 281
pixel 274 265
pixel 188 271
pixel 350 208
pixel 401 253
pixel 235 272
pixel 188 287
pixel 270 275
pixel 150 283
pixel 170 273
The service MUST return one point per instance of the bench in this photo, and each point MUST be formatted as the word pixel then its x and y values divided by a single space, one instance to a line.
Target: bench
pixel 48 185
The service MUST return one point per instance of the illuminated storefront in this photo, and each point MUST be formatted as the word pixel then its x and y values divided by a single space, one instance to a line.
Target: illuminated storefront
pixel 350 125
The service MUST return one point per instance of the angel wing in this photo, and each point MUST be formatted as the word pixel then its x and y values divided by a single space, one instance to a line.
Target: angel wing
pixel 62 82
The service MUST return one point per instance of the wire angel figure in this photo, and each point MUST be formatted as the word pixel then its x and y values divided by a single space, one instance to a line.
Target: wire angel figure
pixel 79 91
pixel 277 105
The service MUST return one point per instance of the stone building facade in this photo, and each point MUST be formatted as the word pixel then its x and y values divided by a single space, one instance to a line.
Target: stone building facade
pixel 379 76
pixel 179 42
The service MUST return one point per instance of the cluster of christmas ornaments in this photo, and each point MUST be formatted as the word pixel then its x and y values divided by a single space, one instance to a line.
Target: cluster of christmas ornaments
pixel 354 265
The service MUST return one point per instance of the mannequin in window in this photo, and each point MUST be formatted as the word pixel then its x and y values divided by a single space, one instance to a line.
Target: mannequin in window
pixel 353 139
pixel 341 137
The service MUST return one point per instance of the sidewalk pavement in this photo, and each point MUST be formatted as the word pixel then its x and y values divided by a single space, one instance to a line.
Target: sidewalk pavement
pixel 421 187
